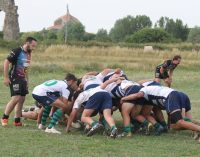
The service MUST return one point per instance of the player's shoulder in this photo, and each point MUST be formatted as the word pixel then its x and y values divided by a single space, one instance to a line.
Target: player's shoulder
pixel 16 50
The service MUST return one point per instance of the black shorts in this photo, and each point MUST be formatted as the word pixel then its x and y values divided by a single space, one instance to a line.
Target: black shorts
pixel 159 75
pixel 18 86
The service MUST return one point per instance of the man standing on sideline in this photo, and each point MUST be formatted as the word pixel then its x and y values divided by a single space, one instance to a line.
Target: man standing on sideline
pixel 165 70
pixel 17 79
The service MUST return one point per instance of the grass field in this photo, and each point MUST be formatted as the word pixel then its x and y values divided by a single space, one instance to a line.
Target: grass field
pixel 55 61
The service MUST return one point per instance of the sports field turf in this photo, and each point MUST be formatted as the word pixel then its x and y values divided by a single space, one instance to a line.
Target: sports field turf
pixel 55 62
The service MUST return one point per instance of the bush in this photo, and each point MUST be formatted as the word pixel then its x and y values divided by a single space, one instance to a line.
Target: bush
pixel 194 35
pixel 148 35
pixel 9 44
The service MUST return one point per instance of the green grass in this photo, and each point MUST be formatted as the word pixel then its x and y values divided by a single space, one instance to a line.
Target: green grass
pixel 55 62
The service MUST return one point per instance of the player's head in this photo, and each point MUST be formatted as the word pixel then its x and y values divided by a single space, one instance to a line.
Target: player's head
pixel 30 43
pixel 177 59
pixel 71 81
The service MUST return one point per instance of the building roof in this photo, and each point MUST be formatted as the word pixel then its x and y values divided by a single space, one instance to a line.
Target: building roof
pixel 61 21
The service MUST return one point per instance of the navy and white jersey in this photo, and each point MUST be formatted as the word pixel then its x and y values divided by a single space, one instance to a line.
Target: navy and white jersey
pixel 151 83
pixel 52 87
pixel 85 95
pixel 90 81
pixel 109 76
pixel 115 90
pixel 126 83
pixel 156 94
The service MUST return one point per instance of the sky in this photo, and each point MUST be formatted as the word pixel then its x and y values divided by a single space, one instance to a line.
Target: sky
pixel 34 15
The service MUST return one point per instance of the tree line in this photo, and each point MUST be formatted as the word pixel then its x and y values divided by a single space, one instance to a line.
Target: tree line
pixel 129 29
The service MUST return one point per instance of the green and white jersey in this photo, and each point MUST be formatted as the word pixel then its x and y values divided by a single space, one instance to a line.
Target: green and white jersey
pixel 56 87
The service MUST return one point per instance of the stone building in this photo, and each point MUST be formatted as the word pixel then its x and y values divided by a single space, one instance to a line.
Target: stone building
pixel 61 21
pixel 11 24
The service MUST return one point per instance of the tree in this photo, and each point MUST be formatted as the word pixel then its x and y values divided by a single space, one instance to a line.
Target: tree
pixel 102 35
pixel 128 25
pixel 61 35
pixel 74 31
pixel 52 35
pixel 176 28
pixel 89 36
pixel 194 35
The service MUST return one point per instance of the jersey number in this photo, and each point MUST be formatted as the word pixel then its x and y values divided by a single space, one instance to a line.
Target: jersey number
pixel 50 83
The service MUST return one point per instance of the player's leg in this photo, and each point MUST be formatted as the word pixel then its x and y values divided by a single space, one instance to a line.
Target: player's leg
pixel 177 122
pixel 126 111
pixel 9 108
pixel 146 111
pixel 18 111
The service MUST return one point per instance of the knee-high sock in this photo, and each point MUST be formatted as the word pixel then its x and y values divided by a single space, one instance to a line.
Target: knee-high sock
pixel 45 114
pixel 56 116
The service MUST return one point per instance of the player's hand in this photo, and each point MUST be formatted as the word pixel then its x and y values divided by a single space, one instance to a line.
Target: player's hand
pixel 6 81
pixel 121 101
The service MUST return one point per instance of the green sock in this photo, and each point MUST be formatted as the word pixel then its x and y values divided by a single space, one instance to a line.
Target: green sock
pixel 145 123
pixel 156 125
pixel 127 128
pixel 163 123
pixel 45 114
pixel 56 116
pixel 113 127
pixel 105 124
pixel 187 119
pixel 135 123
pixel 93 123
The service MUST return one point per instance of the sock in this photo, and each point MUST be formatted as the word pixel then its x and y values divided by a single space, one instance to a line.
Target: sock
pixel 17 120
pixel 93 123
pixel 145 123
pixel 113 127
pixel 56 116
pixel 156 125
pixel 5 116
pixel 45 114
pixel 135 123
pixel 187 119
pixel 105 124
pixel 163 123
pixel 127 128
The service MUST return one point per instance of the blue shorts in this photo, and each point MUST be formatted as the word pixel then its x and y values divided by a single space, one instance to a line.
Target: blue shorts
pixel 135 89
pixel 99 101
pixel 185 102
pixel 173 102
pixel 45 100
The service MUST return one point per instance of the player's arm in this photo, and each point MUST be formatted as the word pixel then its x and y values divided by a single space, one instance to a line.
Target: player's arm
pixel 92 73
pixel 72 116
pixel 171 73
pixel 105 84
pixel 107 71
pixel 143 81
pixel 164 66
pixel 133 96
pixel 12 57
pixel 6 69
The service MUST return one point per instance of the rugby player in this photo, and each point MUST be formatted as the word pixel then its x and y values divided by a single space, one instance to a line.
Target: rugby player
pixel 165 71
pixel 54 93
